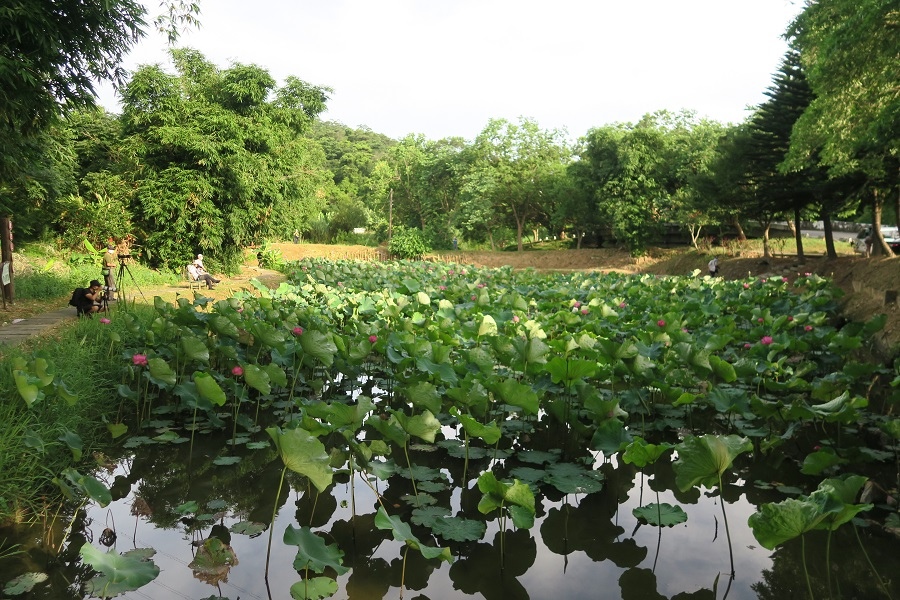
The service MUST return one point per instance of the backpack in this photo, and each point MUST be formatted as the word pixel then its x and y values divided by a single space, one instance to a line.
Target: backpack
pixel 77 295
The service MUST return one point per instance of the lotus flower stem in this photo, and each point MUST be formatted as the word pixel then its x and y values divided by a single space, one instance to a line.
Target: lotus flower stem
pixel 869 560
pixel 727 531
pixel 274 514
pixel 805 570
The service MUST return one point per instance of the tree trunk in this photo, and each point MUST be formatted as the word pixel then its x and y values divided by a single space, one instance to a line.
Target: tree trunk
pixel 491 238
pixel 798 233
pixel 737 225
pixel 766 226
pixel 879 246
pixel 830 252
pixel 579 235
pixel 519 227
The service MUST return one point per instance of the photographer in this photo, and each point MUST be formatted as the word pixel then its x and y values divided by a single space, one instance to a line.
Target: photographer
pixel 87 300
pixel 110 262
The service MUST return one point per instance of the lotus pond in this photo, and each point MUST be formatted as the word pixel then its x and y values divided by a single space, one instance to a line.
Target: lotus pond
pixel 390 430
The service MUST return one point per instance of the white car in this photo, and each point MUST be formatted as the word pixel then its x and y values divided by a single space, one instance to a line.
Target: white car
pixel 890 234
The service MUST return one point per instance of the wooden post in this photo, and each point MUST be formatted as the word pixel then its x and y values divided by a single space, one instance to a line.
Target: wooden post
pixel 6 269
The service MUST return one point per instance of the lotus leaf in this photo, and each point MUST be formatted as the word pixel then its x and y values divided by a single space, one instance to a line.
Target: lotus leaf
pixel 313 553
pixel 570 478
pixel 24 583
pixel 257 379
pixel 424 395
pixel 640 453
pixel 304 454
pixel 93 488
pixel 702 460
pixel 820 460
pixel 423 426
pixel 490 433
pixel 74 443
pixel 427 515
pixel 251 528
pixel 457 529
pixel 27 386
pixel 488 326
pixel 209 388
pixel 195 349
pixel 117 573
pixel 402 533
pixel 319 345
pixel 660 515
pixel 314 588
pixel 776 523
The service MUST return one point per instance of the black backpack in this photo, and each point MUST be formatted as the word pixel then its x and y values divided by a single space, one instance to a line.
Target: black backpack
pixel 77 295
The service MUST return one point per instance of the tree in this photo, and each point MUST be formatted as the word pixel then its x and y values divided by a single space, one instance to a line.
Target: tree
pixel 521 162
pixel 851 52
pixel 216 165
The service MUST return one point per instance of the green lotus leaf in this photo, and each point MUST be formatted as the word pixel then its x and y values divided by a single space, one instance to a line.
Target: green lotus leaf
pixel 27 386
pixel 93 488
pixel 488 326
pixel 161 373
pixel 257 379
pixel 570 478
pixel 722 369
pixel 24 583
pixel 74 443
pixel 424 395
pixel 304 454
pixel 490 433
pixel 702 460
pixel 195 349
pixel 276 374
pixel 313 553
pixel 660 515
pixel 426 516
pixel 251 528
pixel 457 529
pixel 32 440
pixel 209 388
pixel 640 454
pixel 423 426
pixel 224 461
pixel 776 523
pixel 319 345
pixel 518 394
pixel 821 460
pixel 117 574
pixel 402 533
pixel 314 588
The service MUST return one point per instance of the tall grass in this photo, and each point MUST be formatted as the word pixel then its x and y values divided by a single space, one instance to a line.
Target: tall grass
pixel 89 361
pixel 37 283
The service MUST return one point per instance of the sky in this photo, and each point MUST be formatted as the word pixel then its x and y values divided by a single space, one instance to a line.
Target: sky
pixel 444 68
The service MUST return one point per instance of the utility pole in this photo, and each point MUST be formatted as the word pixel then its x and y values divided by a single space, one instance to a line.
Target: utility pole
pixel 391 214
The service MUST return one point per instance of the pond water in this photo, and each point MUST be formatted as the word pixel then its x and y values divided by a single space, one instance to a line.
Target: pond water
pixel 581 545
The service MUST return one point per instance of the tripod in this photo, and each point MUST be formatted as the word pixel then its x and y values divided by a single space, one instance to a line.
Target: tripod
pixel 124 259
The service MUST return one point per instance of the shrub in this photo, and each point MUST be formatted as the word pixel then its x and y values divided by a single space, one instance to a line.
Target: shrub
pixel 408 244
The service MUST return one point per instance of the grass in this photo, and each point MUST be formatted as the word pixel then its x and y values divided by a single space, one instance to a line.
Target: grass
pixel 87 359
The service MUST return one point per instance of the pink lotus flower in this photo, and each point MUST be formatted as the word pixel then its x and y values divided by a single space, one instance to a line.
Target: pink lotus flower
pixel 784 279
pixel 373 339
pixel 808 328
pixel 139 360
pixel 480 285
pixel 240 309
pixel 766 340
pixel 621 305
pixel 763 280
pixel 790 318
pixel 442 287
pixel 748 345
pixel 584 311
pixel 661 323
pixel 451 272
pixel 760 320
pixel 462 272
pixel 297 330
pixel 807 274
pixel 473 297
pixel 105 321
pixel 515 319
pixel 577 304
pixel 746 286
pixel 237 370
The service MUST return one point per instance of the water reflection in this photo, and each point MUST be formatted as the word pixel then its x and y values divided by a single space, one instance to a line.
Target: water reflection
pixel 582 546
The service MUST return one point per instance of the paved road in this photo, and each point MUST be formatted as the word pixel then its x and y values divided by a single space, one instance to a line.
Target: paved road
pixel 839 236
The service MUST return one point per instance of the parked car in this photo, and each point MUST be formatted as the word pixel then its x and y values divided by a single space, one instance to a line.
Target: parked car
pixel 890 234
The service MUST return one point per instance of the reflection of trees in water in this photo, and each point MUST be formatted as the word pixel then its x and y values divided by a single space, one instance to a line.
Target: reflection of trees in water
pixel 851 575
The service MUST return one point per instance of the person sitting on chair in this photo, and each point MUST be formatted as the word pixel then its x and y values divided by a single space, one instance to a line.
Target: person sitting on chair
pixel 87 300
pixel 198 273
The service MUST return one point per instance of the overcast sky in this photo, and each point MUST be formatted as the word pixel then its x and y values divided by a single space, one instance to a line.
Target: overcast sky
pixel 445 67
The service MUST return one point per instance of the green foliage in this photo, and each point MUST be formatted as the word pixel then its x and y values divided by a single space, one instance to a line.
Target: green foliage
pixel 408 244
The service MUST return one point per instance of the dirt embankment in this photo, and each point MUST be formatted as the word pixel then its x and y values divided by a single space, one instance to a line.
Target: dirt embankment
pixel 870 285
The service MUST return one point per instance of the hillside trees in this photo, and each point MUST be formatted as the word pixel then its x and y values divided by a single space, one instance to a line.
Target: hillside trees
pixel 217 166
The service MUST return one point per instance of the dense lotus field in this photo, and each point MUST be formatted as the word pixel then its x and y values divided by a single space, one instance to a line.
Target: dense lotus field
pixel 445 431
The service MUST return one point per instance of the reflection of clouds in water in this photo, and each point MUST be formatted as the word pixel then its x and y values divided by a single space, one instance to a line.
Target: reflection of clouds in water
pixel 600 548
